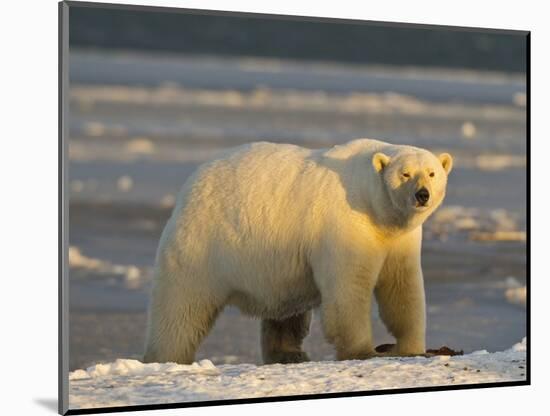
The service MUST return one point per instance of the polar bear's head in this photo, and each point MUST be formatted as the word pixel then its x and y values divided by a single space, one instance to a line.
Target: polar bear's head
pixel 414 180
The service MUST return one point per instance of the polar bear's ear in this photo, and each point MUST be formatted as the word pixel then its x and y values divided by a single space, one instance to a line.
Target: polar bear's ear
pixel 380 161
pixel 446 161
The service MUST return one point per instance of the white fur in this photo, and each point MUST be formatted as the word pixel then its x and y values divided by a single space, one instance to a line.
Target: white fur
pixel 277 229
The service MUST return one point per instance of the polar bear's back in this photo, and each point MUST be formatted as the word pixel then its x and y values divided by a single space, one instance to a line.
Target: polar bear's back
pixel 264 192
pixel 254 191
pixel 241 219
pixel 253 179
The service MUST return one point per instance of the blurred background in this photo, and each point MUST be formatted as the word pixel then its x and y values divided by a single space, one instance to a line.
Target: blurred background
pixel 154 94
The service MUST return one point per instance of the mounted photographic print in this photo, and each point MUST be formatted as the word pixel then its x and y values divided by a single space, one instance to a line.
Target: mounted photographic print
pixel 261 208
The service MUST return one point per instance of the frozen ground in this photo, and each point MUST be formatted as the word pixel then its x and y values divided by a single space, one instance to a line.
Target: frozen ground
pixel 129 382
pixel 140 124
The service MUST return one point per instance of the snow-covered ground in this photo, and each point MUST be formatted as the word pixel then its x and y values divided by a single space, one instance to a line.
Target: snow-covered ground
pixel 129 382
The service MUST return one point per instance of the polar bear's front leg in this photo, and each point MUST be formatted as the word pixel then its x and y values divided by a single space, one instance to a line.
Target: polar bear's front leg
pixel 347 325
pixel 346 275
pixel 400 296
pixel 346 316
pixel 282 340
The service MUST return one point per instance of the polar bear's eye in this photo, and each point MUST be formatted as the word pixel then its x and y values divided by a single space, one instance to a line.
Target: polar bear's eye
pixel 406 175
pixel 432 174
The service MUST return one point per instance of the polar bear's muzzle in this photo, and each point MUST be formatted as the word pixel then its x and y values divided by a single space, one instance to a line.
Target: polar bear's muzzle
pixel 422 197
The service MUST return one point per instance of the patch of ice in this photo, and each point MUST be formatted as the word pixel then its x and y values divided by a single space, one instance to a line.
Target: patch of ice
pixel 83 150
pixel 517 295
pixel 125 183
pixel 78 375
pixel 467 223
pixel 499 236
pixel 77 259
pixel 226 359
pixel 520 346
pixel 140 145
pixel 489 162
pixel 520 99
pixel 500 162
pixel 94 128
pixel 132 273
pixel 168 201
pixel 468 130
pixel 132 276
pixel 480 352
pixel 476 224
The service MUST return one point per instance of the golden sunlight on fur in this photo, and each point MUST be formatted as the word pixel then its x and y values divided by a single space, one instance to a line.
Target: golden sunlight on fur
pixel 277 230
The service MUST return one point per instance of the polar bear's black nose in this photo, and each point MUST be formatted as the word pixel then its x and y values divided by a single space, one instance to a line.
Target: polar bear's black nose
pixel 422 196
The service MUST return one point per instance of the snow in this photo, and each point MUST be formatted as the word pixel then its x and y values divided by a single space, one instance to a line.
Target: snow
pixel 85 267
pixel 468 130
pixel 130 382
pixel 125 183
pixel 280 99
pixel 520 346
pixel 517 295
pixel 123 367
pixel 140 145
pixel 476 224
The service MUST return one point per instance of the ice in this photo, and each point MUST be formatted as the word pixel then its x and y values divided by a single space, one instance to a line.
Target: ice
pixel 468 130
pixel 290 100
pixel 78 375
pixel 140 145
pixel 491 162
pixel 84 267
pixel 94 128
pixel 168 201
pixel 520 99
pixel 125 183
pixel 520 346
pixel 499 236
pixel 77 259
pixel 123 367
pixel 130 382
pixel 512 282
pixel 477 224
pixel 517 295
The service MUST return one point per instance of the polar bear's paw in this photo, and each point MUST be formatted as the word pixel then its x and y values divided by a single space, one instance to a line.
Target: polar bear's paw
pixel 288 357
pixel 392 350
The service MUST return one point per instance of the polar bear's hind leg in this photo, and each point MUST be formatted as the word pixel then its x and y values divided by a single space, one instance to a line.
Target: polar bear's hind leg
pixel 282 340
pixel 175 333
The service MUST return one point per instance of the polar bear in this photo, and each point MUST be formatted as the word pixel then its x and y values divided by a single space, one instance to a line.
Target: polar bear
pixel 277 230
